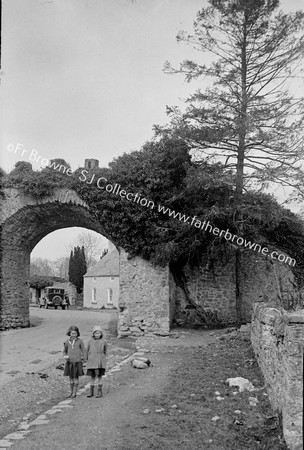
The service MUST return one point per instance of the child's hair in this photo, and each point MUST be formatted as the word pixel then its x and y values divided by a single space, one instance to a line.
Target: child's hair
pixel 73 328
pixel 97 328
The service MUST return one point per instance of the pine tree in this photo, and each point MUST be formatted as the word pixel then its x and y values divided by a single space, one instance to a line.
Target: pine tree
pixel 248 118
pixel 71 267
pixel 77 267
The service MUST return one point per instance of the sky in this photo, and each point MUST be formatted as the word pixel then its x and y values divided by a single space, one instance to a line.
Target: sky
pixel 83 78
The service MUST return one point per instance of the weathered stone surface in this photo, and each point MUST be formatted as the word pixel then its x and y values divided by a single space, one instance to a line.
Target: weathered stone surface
pixel 296 317
pixel 279 351
pixel 25 220
pixel 135 329
pixel 214 290
pixel 124 334
pixel 144 292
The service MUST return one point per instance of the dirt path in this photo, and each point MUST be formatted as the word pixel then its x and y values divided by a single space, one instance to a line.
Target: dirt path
pixel 37 347
pixel 174 404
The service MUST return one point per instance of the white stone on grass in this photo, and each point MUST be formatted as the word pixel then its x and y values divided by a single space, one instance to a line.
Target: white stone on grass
pixel 215 418
pixel 253 401
pixel 240 382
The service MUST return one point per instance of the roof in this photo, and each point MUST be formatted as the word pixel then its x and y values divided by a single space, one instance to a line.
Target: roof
pixel 108 266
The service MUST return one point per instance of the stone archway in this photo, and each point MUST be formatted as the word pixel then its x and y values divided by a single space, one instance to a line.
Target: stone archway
pixel 25 220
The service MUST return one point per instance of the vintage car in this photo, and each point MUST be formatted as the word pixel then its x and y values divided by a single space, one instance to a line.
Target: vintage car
pixel 53 297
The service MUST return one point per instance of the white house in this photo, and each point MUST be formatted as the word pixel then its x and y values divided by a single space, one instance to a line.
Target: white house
pixel 101 282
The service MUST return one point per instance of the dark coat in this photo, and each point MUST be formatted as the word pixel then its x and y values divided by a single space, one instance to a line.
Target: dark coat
pixel 75 352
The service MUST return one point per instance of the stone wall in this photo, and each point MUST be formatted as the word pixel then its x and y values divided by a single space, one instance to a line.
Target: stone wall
pixel 213 288
pixel 25 220
pixel 278 339
pixel 144 297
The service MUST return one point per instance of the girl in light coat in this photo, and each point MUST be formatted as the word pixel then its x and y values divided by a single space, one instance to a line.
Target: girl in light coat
pixel 96 360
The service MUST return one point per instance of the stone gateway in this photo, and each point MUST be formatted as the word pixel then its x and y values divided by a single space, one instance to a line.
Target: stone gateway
pixel 25 220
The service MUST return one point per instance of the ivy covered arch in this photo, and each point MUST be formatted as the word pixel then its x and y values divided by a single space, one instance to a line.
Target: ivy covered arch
pixel 26 220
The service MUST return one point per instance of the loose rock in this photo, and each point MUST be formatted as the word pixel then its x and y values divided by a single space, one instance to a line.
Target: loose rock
pixel 240 382
pixel 137 364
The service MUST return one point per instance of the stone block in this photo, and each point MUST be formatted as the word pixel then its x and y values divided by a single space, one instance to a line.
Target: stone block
pixel 296 316
pixel 124 333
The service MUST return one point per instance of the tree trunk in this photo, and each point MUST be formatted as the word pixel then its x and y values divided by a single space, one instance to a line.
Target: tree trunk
pixel 240 182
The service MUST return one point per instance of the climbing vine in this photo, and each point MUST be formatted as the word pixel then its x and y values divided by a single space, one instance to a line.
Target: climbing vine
pixel 164 174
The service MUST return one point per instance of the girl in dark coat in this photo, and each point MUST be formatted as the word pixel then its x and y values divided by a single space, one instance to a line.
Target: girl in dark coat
pixel 96 355
pixel 74 353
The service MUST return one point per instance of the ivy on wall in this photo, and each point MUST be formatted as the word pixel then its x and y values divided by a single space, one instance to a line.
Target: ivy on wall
pixel 163 173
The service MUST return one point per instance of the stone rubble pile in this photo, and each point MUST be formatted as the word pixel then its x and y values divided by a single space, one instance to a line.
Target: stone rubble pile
pixel 139 326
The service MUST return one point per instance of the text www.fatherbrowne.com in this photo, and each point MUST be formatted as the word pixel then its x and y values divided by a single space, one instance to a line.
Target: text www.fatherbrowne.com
pixel 192 221
pixel 115 189
pixel 206 226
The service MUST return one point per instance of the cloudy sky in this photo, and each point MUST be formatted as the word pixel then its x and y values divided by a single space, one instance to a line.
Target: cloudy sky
pixel 83 78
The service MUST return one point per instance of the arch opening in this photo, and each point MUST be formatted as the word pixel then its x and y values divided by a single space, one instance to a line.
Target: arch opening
pixel 144 289
pixel 21 232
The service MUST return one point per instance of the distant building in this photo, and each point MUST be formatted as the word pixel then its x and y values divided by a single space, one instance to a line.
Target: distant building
pixel 101 282
pixel 91 163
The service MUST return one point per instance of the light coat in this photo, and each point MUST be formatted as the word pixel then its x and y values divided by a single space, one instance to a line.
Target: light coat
pixel 96 353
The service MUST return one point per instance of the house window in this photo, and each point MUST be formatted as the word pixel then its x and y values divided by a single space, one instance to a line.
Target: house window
pixel 94 280
pixel 112 278
pixel 94 295
pixel 110 296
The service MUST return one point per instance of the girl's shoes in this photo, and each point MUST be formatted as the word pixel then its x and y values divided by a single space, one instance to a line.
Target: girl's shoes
pixel 91 394
pixel 99 393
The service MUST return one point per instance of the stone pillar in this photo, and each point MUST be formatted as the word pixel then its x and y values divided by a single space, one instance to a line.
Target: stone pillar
pixel 293 405
pixel 144 297
pixel 14 288
pixel 277 339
